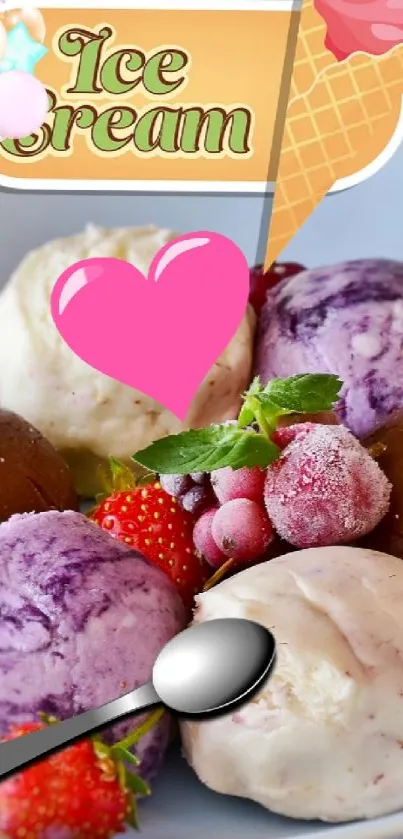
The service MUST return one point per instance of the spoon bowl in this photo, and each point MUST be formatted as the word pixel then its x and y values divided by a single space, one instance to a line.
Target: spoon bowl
pixel 212 666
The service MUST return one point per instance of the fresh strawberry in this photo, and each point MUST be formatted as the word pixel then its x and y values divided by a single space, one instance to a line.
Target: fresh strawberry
pixel 261 281
pixel 151 521
pixel 84 790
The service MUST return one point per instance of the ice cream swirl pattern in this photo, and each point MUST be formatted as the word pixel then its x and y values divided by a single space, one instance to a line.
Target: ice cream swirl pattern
pixel 344 319
pixel 83 618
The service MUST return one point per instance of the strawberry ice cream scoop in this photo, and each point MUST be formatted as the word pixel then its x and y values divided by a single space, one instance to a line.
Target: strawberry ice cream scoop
pixel 82 620
pixel 371 26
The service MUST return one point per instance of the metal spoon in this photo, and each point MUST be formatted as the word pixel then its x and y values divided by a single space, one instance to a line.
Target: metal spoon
pixel 208 668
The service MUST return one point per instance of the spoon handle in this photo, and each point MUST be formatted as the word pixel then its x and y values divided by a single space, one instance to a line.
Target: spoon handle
pixel 14 754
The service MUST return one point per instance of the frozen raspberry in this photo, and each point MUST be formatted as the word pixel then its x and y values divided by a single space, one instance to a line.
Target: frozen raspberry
pixel 238 483
pixel 325 489
pixel 241 529
pixel 204 542
pixel 285 435
pixel 261 282
pixel 289 427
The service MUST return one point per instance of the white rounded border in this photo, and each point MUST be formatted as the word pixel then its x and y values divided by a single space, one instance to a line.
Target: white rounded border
pixel 189 186
pixel 377 164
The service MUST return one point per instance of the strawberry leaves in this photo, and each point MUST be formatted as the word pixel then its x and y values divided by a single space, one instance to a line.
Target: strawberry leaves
pixel 117 477
pixel 88 787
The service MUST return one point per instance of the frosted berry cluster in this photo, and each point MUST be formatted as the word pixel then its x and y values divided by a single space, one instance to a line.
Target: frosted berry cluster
pixel 237 526
pixel 324 489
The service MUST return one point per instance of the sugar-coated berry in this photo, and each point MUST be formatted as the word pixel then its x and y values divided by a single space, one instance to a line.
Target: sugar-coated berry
pixel 195 499
pixel 175 485
pixel 199 477
pixel 241 529
pixel 238 483
pixel 325 489
pixel 204 542
pixel 284 435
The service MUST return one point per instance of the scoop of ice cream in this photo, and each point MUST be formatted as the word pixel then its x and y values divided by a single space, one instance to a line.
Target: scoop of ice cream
pixel 371 26
pixel 83 619
pixel 88 416
pixel 323 738
pixel 33 476
pixel 386 443
pixel 345 319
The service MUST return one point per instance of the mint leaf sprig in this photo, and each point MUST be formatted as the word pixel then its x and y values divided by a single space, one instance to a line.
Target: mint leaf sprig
pixel 238 444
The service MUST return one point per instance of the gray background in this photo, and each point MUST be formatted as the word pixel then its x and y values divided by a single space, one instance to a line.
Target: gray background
pixel 363 221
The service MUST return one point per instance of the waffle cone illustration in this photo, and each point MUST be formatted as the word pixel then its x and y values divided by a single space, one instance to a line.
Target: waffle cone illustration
pixel 340 116
pixel 311 55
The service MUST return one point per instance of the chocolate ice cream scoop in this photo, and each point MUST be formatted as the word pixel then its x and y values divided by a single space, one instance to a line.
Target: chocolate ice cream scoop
pixel 33 476
pixel 386 445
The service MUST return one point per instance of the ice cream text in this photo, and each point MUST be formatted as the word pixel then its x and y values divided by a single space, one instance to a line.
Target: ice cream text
pixel 159 124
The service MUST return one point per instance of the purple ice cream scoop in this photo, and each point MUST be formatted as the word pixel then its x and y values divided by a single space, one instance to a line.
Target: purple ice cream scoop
pixel 345 319
pixel 82 620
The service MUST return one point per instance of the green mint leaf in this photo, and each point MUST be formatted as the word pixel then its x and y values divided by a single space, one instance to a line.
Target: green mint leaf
pixel 271 408
pixel 255 387
pixel 247 414
pixel 260 409
pixel 206 449
pixel 306 393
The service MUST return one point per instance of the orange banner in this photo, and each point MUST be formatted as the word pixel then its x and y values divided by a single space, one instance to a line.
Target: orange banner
pixel 145 97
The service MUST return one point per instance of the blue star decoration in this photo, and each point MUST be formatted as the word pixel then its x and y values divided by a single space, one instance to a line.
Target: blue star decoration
pixel 22 51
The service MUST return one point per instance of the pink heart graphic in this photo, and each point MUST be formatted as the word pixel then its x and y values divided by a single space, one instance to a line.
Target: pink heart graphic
pixel 160 334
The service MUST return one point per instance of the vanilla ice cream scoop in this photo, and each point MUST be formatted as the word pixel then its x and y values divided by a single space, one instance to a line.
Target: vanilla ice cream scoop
pixel 88 416
pixel 324 738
